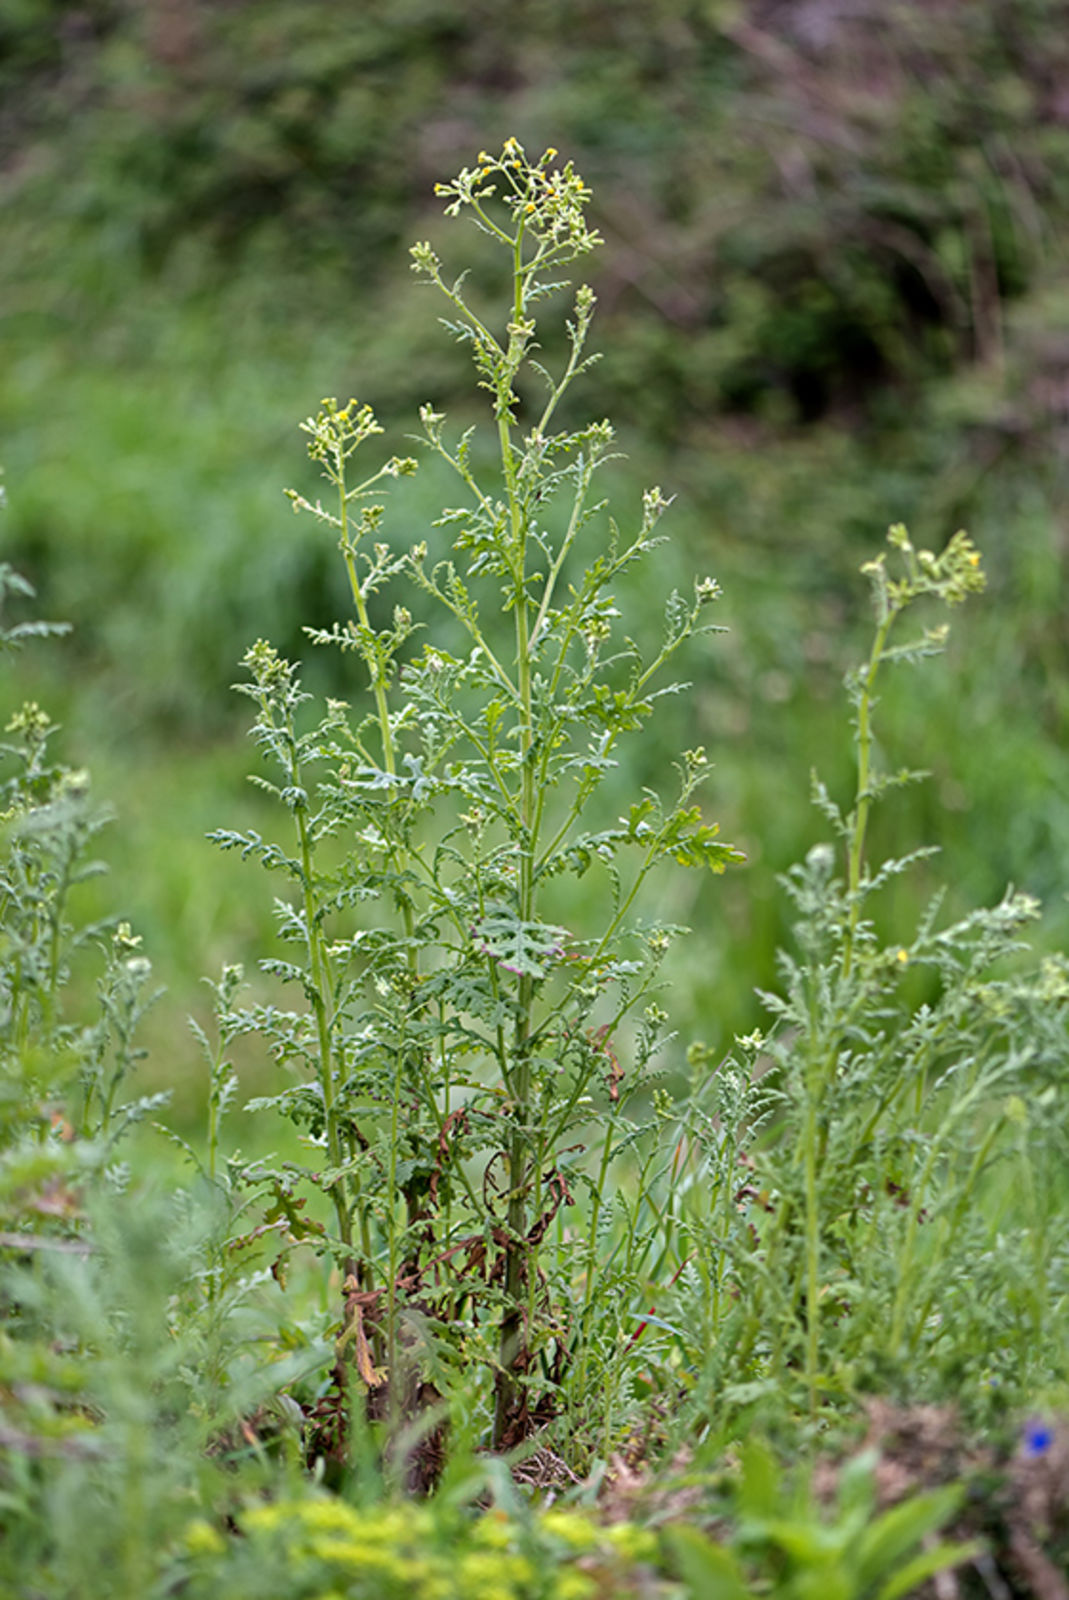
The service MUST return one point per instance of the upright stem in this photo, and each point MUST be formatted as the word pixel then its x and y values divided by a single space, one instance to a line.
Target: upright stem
pixel 213 1117
pixel 518 1257
pixel 323 1031
pixel 389 761
pixel 592 1246
pixel 864 798
pixel 812 1251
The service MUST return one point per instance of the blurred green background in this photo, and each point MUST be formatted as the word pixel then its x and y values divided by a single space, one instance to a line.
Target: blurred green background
pixel 833 295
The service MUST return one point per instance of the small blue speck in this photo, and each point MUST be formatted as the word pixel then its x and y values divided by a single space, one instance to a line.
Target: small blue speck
pixel 1038 1438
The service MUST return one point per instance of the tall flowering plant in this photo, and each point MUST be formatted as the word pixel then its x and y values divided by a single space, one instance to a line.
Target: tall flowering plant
pixel 459 1042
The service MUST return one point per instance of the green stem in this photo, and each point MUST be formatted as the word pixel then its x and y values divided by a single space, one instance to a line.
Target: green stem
pixel 213 1118
pixel 812 1250
pixel 592 1249
pixel 391 1213
pixel 566 545
pixel 316 956
pixel 864 797
pixel 378 686
pixel 519 1256
pixel 976 1167
pixel 389 761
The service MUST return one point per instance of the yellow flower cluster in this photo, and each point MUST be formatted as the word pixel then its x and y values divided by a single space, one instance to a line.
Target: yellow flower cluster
pixel 329 1550
pixel 547 201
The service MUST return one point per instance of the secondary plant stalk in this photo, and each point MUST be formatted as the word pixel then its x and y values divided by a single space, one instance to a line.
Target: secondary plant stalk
pixel 316 957
pixel 860 819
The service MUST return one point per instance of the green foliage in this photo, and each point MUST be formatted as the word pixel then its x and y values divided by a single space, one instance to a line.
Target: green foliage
pixel 62 1078
pixel 781 1543
pixel 830 288
pixel 307 1548
pixel 874 1122
pixel 506 1222
pixel 131 1336
pixel 786 1537
pixel 883 180
pixel 120 1377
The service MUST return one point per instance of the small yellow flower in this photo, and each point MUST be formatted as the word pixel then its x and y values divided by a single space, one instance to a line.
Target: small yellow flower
pixel 493 1532
pixel 571 1528
pixel 492 1575
pixel 903 957
pixel 530 207
pixel 204 1540
pixel 974 558
pixel 570 1584
pixel 631 1542
pixel 550 153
